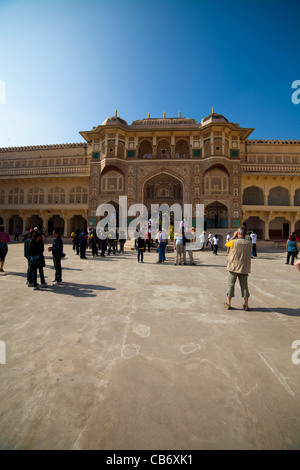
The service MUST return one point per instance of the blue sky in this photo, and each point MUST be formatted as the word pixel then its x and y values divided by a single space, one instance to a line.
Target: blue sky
pixel 67 65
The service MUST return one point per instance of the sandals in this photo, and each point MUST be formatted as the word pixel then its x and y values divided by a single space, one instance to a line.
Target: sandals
pixel 227 306
pixel 246 308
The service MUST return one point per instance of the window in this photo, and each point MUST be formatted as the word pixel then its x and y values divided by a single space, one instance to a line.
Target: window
pixel 56 195
pixel 112 182
pixel 78 195
pixel 16 196
pixel 35 196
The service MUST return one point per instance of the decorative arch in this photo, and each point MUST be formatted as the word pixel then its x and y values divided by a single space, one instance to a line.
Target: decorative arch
pixel 162 188
pixel 216 215
pixel 254 196
pixel 216 181
pixel 112 180
pixel 279 196
pixel 145 149
pixel 163 148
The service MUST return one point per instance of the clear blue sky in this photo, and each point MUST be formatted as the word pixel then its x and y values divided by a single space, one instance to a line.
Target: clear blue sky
pixel 68 65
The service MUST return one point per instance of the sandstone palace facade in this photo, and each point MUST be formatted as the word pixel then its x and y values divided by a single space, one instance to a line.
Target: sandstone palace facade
pixel 155 160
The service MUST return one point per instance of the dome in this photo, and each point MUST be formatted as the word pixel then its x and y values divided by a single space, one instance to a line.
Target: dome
pixel 213 117
pixel 114 120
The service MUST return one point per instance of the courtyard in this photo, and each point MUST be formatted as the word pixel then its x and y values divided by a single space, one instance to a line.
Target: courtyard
pixel 130 356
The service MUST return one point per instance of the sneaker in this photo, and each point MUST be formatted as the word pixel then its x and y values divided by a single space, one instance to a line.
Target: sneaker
pixel 56 283
pixel 44 285
pixel 36 288
pixel 30 284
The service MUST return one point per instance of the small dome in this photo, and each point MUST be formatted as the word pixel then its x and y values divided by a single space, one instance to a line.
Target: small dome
pixel 114 120
pixel 213 117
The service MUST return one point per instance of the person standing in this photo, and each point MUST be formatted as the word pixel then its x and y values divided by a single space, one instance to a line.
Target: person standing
pixel 254 240
pixel 4 240
pixel 35 255
pixel 228 238
pixel 238 266
pixel 178 246
pixel 83 242
pixel 57 254
pixel 16 232
pixel 291 248
pixel 140 247
pixel 186 241
pixel 161 240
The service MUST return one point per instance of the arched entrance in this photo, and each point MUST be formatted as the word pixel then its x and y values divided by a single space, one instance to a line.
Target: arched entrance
pixel 78 222
pixel 34 220
pixel 56 223
pixel 162 189
pixel 216 215
pixel 279 229
pixel 15 222
pixel 257 224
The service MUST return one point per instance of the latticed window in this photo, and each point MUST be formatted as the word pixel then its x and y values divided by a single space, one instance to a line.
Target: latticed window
pixel 78 195
pixel 16 196
pixel 145 149
pixel 112 181
pixel 2 196
pixel 182 149
pixel 35 196
pixel 56 195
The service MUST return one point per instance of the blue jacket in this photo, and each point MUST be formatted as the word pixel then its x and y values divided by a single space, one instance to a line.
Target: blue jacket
pixel 57 248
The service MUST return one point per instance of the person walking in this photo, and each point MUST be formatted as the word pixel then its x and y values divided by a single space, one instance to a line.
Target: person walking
pixel 202 241
pixel 215 244
pixel 57 254
pixel 291 248
pixel 238 266
pixel 4 240
pixel 16 232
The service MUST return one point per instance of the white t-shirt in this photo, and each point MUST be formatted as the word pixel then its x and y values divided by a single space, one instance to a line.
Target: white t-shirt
pixel 254 237
pixel 215 240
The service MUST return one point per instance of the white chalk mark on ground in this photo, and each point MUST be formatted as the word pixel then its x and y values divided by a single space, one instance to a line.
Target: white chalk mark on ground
pixel 277 374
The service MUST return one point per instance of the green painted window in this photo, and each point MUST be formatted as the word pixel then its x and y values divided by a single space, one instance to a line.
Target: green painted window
pixel 95 155
pixel 234 153
pixel 197 153
pixel 235 223
pixel 130 153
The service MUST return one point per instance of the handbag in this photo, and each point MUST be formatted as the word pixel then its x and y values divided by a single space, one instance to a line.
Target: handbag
pixel 35 260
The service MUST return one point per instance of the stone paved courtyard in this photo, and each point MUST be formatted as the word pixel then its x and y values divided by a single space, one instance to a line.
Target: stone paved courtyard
pixel 144 356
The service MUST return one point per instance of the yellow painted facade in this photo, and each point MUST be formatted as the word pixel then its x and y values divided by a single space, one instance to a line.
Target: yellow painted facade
pixel 155 160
